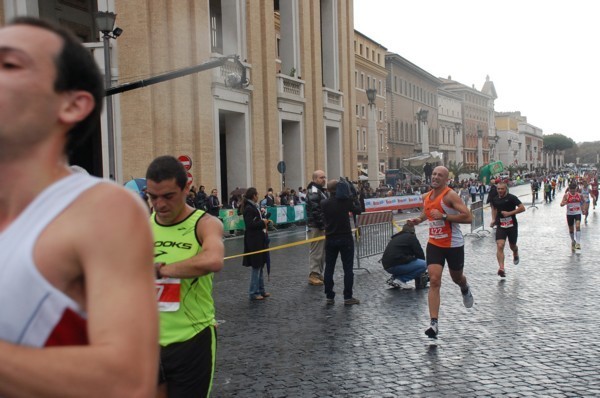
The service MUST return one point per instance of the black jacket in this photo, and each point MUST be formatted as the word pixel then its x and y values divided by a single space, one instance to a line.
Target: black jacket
pixel 314 195
pixel 336 216
pixel 213 205
pixel 402 249
pixel 492 193
pixel 254 237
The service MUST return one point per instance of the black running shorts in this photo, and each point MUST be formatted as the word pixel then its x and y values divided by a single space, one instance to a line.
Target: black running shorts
pixel 188 367
pixel 511 233
pixel 455 256
pixel 572 218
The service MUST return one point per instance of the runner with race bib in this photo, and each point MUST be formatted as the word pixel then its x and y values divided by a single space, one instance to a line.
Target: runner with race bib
pixel 574 202
pixel 505 207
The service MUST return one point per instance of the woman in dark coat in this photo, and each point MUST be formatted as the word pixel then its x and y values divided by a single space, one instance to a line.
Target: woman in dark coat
pixel 254 240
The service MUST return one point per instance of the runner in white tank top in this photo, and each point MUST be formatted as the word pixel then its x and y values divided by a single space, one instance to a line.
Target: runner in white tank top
pixel 78 315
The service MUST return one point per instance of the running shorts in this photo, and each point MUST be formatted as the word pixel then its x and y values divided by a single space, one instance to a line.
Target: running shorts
pixel 455 256
pixel 572 218
pixel 188 367
pixel 511 233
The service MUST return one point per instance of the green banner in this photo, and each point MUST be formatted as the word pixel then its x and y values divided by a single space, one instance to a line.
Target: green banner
pixel 277 214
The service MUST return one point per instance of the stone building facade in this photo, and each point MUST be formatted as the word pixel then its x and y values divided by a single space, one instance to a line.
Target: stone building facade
pixel 370 72
pixel 412 110
pixel 298 107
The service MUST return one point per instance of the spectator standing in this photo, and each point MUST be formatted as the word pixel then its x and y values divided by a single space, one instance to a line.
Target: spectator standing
pixel 339 240
pixel 200 202
pixel 213 205
pixel 481 188
pixel 184 273
pixel 473 191
pixel 316 227
pixel 464 194
pixel 269 198
pixel 255 239
pixel 493 191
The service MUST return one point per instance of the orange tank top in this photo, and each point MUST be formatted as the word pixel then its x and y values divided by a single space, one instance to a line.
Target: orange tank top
pixel 442 233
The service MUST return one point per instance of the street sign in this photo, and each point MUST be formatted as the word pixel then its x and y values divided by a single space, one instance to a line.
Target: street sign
pixel 281 167
pixel 190 177
pixel 186 161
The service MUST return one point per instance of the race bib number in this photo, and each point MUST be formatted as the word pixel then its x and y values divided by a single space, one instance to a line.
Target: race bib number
pixel 436 229
pixel 573 208
pixel 168 294
pixel 506 222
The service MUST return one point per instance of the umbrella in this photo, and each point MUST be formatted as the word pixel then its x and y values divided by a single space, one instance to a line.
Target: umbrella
pixel 238 191
pixel 136 184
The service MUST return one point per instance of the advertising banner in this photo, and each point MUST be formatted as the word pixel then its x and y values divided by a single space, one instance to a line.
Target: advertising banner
pixel 393 203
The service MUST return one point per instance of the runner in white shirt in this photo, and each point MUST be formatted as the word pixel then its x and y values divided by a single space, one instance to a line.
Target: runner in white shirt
pixel 78 311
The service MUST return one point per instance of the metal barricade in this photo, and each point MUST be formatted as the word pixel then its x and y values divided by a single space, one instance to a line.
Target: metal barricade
pixel 477 222
pixel 373 233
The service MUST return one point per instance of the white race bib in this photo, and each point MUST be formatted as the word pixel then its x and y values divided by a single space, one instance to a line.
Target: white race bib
pixel 506 222
pixel 436 229
pixel 168 294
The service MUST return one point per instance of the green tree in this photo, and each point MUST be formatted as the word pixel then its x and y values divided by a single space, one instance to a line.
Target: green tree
pixel 557 142
pixel 456 169
pixel 554 143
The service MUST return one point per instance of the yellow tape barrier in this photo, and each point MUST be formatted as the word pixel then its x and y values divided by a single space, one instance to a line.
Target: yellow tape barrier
pixel 270 249
pixel 285 246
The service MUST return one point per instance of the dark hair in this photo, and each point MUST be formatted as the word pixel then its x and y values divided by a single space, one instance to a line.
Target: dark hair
pixel 573 185
pixel 76 69
pixel 250 192
pixel 166 168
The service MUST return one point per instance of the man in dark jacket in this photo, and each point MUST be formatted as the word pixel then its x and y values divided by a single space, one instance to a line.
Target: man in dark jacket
pixel 493 191
pixel 201 197
pixel 339 239
pixel 213 205
pixel 316 227
pixel 404 258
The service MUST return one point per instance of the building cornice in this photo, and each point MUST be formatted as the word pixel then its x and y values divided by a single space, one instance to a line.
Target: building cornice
pixel 403 62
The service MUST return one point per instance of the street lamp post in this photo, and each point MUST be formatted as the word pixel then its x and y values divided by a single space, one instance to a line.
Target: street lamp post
pixel 493 147
pixel 479 147
pixel 105 22
pixel 373 151
pixel 458 143
pixel 422 120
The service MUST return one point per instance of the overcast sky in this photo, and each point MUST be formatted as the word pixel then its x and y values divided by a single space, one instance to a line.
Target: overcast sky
pixel 542 55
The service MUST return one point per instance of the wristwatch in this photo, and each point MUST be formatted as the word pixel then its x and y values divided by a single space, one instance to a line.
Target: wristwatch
pixel 444 216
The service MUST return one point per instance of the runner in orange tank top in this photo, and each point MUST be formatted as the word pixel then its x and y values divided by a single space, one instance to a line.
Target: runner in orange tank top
pixel 444 210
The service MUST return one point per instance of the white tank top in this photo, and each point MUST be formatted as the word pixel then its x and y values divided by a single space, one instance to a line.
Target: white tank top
pixel 34 313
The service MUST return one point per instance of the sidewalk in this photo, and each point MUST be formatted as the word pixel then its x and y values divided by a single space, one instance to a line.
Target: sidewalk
pixel 532 334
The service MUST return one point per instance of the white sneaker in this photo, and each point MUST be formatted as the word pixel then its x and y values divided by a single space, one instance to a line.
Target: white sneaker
pixel 403 285
pixel 468 298
pixel 432 330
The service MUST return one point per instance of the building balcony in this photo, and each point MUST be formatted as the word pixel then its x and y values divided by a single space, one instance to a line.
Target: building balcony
pixel 333 99
pixel 290 87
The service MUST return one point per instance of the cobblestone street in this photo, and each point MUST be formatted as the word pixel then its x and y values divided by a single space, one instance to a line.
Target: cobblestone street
pixel 531 334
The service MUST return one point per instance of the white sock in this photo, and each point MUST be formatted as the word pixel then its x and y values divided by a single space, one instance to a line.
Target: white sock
pixel 572 237
pixel 577 236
